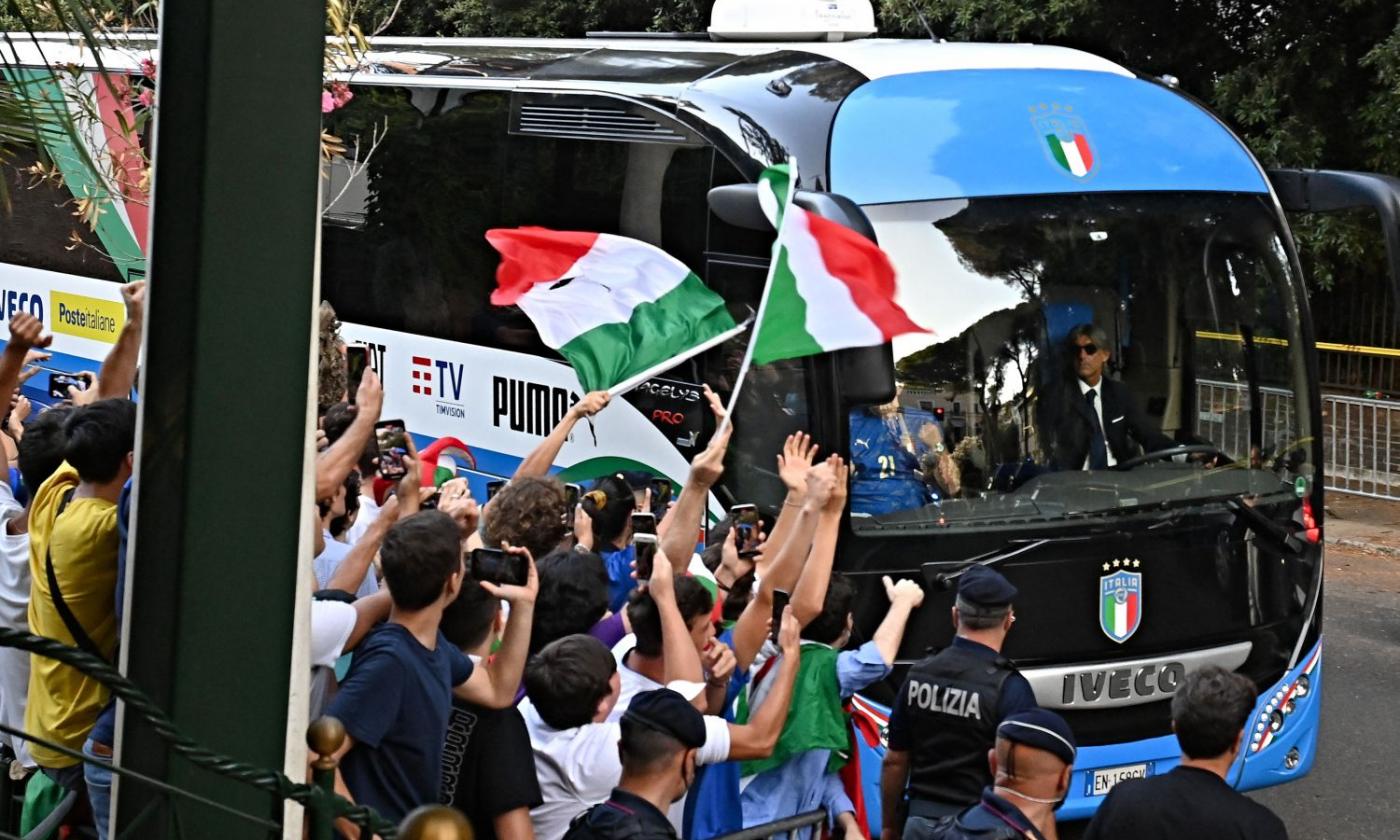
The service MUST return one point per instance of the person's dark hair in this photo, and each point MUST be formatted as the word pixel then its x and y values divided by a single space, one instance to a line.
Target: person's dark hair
pixel 1209 709
pixel 43 446
pixel 466 622
pixel 738 597
pixel 568 678
pixel 609 504
pixel 528 512
pixel 573 596
pixel 693 600
pixel 645 749
pixel 1089 331
pixel 713 555
pixel 831 623
pixel 338 418
pixel 418 556
pixel 340 524
pixel 100 436
pixel 979 617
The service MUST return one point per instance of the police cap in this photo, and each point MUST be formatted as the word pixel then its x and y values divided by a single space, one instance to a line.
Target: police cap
pixel 668 712
pixel 985 587
pixel 1042 729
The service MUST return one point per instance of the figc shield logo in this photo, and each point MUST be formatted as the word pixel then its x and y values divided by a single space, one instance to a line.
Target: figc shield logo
pixel 1065 138
pixel 1120 599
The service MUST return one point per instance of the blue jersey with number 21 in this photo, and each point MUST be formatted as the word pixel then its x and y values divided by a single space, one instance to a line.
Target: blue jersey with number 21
pixel 885 476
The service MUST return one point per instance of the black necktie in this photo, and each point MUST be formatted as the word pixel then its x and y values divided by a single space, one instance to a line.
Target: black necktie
pixel 1098 447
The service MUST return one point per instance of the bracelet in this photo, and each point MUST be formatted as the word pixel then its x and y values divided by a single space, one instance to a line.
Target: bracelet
pixel 788 503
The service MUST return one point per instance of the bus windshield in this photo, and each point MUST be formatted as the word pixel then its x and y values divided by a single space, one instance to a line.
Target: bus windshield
pixel 1091 355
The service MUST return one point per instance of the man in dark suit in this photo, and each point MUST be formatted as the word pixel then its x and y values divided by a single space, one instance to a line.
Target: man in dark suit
pixel 1092 422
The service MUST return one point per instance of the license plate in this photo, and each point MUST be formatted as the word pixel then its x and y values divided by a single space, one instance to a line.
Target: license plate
pixel 1100 782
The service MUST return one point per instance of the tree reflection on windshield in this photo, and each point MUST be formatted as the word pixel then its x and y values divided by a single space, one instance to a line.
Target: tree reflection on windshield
pixel 1091 353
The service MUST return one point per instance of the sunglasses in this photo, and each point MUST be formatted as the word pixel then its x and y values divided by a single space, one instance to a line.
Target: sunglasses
pixel 1087 349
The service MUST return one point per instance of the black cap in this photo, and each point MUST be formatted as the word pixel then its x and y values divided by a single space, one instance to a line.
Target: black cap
pixel 1042 729
pixel 985 587
pixel 667 711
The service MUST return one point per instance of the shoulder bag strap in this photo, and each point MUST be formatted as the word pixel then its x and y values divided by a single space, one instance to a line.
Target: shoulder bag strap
pixel 70 621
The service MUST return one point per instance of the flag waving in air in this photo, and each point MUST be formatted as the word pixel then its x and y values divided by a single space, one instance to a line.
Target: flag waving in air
pixel 618 309
pixel 829 287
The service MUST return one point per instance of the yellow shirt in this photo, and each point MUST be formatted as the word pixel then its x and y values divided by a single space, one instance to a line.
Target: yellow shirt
pixel 63 702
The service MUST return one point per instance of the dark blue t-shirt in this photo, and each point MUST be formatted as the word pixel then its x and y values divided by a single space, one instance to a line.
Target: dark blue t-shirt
pixel 395 703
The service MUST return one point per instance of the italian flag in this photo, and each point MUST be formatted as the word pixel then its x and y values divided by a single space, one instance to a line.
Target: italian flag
pixel 1120 617
pixel 828 288
pixel 614 307
pixel 1073 154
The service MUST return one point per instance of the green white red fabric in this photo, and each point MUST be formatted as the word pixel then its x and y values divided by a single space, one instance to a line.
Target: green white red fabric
pixel 829 287
pixel 614 307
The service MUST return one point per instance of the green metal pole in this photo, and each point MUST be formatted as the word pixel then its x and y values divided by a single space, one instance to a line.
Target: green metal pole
pixel 223 426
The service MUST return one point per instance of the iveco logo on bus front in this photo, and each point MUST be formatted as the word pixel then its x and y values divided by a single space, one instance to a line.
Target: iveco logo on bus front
pixel 12 301
pixel 442 381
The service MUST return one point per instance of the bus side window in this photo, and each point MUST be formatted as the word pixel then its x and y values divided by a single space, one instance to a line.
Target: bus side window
pixel 40 229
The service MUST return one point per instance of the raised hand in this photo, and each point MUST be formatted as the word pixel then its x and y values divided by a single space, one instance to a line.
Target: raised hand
pixel 719 662
pixel 592 403
pixel 517 594
pixel 841 477
pixel 795 460
pixel 369 398
pixel 457 502
pixel 907 592
pixel 27 332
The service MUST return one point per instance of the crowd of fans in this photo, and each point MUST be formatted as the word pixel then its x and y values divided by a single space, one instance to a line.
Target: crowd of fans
pixel 549 671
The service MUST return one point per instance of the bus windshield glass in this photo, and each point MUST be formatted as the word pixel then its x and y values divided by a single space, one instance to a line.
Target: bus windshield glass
pixel 1092 355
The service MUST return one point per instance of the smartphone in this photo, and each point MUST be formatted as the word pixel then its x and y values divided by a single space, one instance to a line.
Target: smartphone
pixel 431 502
pixel 745 519
pixel 780 602
pixel 495 566
pixel 644 523
pixel 59 383
pixel 356 363
pixel 392 437
pixel 646 554
pixel 572 494
pixel 494 487
pixel 660 495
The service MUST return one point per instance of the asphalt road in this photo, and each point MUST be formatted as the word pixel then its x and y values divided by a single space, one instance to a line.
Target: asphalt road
pixel 1351 791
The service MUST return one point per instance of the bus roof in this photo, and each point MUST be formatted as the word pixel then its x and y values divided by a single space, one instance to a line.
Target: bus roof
pixel 540 59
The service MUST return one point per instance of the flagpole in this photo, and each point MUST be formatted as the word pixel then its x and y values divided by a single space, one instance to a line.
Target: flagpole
pixel 762 304
pixel 632 382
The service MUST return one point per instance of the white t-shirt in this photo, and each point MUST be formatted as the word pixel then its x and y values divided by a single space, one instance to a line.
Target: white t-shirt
pixel 14 615
pixel 578 768
pixel 634 682
pixel 369 511
pixel 328 562
pixel 332 622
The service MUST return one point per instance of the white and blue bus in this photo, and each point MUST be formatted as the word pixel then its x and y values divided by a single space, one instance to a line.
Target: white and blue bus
pixel 1021 191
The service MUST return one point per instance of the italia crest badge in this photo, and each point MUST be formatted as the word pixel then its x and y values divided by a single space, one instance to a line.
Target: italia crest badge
pixel 1120 601
pixel 1065 137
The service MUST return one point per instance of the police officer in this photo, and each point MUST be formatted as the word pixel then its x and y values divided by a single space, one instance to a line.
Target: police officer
pixel 945 718
pixel 1031 763
pixel 660 733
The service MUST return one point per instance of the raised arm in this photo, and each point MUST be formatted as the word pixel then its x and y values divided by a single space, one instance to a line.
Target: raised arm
pixel 118 374
pixel 759 736
pixel 677 531
pixel 334 464
pixel 355 566
pixel 26 332
pixel 538 462
pixel 793 464
pixel 682 661
pixel 810 594
pixel 495 684
pixel 905 597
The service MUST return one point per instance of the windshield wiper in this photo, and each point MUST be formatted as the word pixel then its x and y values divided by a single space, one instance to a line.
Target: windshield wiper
pixel 945 580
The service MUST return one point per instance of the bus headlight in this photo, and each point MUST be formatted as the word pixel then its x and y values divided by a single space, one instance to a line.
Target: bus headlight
pixel 1275 721
pixel 1284 703
pixel 1302 686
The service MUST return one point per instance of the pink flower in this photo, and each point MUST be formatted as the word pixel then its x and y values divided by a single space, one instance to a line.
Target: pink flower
pixel 327 102
pixel 341 93
pixel 148 68
pixel 147 97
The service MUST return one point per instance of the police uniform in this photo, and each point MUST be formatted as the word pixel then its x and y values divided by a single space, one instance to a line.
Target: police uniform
pixel 995 816
pixel 626 816
pixel 949 707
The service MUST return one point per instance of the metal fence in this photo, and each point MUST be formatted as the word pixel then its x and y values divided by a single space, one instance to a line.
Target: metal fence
pixel 791 827
pixel 1360 437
